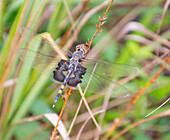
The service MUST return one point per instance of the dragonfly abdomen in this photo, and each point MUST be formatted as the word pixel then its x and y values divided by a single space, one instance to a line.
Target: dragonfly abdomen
pixel 68 75
pixel 59 93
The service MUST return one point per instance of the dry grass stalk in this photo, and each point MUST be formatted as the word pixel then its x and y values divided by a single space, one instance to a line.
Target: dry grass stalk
pixel 80 103
pixel 55 129
pixel 84 124
pixel 83 21
pixel 102 21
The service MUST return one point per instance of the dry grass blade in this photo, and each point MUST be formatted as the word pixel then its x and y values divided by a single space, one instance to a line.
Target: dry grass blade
pixel 146 41
pixel 83 21
pixel 76 12
pixel 85 102
pixel 30 119
pixel 163 15
pixel 53 118
pixel 158 107
pixel 80 103
pixel 112 104
pixel 84 124
pixel 15 44
pixel 68 12
pixel 8 64
pixel 10 60
pixel 104 108
pixel 135 26
pixel 161 21
pixel 10 82
pixel 130 16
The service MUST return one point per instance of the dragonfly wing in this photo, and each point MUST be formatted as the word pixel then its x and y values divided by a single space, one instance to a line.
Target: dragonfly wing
pixel 100 85
pixel 40 62
pixel 104 73
pixel 48 47
pixel 110 70
pixel 38 52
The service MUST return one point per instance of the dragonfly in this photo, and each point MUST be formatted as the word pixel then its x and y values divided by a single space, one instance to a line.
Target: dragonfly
pixel 72 68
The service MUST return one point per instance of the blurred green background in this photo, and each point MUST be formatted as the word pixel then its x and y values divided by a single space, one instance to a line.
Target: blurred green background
pixel 128 37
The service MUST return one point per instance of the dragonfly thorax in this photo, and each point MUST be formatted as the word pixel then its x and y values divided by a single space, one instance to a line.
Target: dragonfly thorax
pixel 77 56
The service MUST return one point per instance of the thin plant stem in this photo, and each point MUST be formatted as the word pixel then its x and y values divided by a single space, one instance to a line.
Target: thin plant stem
pixel 99 25
pixel 163 15
pixel 85 102
pixel 68 12
pixel 158 107
pixel 83 21
pixel 84 124
pixel 80 103
pixel 55 129
pixel 161 21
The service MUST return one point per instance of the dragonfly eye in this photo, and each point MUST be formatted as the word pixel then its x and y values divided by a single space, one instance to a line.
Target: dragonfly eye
pixel 77 48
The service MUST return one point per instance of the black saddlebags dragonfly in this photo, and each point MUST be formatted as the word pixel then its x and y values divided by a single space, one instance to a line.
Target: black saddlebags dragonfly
pixel 74 68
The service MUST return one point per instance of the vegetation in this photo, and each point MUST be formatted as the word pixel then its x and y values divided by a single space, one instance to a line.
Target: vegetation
pixel 136 33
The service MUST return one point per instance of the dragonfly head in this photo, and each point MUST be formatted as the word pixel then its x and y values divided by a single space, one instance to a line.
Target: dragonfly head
pixel 82 48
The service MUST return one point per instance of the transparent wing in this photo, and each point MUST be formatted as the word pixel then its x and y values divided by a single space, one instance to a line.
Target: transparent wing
pixel 110 70
pixel 40 62
pixel 40 53
pixel 48 47
pixel 104 73
pixel 101 85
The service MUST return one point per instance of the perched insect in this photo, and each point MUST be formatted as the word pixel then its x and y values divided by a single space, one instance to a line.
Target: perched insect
pixel 45 57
